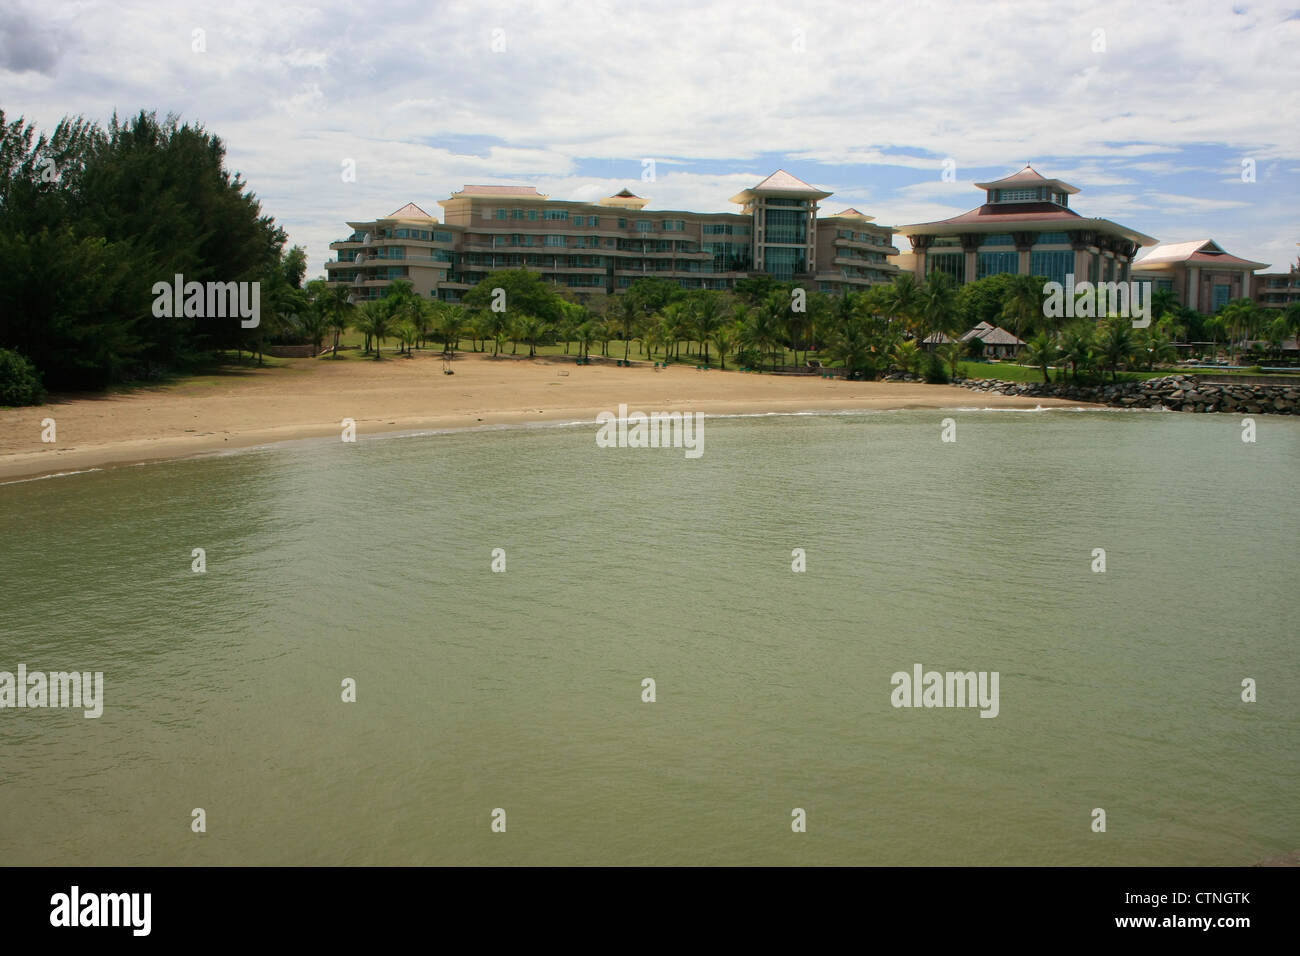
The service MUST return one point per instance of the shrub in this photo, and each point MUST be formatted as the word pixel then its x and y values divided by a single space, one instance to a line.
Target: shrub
pixel 934 370
pixel 20 383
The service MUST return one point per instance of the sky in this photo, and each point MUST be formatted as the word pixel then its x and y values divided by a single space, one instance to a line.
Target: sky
pixel 1177 119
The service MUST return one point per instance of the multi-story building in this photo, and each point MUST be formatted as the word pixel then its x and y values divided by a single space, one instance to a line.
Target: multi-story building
pixel 1200 273
pixel 1026 226
pixel 1277 290
pixel 603 247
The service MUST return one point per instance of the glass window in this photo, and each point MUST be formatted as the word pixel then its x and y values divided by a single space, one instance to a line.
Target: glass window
pixel 1221 293
pixel 555 240
pixel 577 220
pixel 593 221
pixel 953 264
pixel 996 263
pixel 1052 265
pixel 783 264
pixel 786 225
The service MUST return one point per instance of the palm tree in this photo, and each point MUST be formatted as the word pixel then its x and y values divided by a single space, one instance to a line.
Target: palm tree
pixel 938 304
pixel 708 319
pixel 374 321
pixel 340 308
pixel 1153 344
pixel 950 352
pixel 1024 302
pixel 407 333
pixel 907 356
pixel 1116 343
pixel 903 299
pixel 451 326
pixel 850 343
pixel 1042 352
pixel 724 340
pixel 1076 347
pixel 627 310
pixel 530 328
pixel 428 315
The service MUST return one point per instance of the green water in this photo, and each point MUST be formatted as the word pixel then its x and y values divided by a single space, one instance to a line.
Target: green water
pixel 522 690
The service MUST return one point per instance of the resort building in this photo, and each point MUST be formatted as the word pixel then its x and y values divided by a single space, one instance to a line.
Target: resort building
pixel 997 341
pixel 1277 290
pixel 1200 273
pixel 1026 226
pixel 603 247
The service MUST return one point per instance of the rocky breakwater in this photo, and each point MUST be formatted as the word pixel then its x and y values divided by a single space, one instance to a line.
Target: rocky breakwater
pixel 1182 393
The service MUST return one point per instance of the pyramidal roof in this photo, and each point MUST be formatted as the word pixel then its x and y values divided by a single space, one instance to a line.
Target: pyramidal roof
pixel 780 183
pixel 1028 177
pixel 1195 251
pixel 409 211
pixel 852 213
pixel 783 181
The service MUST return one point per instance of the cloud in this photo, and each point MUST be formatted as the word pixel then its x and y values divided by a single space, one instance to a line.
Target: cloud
pixel 426 97
pixel 26 46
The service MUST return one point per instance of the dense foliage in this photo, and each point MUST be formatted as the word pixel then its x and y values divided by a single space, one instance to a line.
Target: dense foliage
pixel 92 217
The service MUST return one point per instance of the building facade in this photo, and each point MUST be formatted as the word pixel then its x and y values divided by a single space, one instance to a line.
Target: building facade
pixel 1025 227
pixel 1277 290
pixel 603 247
pixel 1200 273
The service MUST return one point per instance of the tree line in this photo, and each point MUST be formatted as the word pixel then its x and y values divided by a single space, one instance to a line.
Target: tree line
pixel 92 216
pixel 762 323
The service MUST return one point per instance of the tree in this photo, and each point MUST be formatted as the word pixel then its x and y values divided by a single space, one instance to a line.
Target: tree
pixel 407 334
pixel 374 320
pixel 626 309
pixel 850 343
pixel 938 305
pixel 451 325
pixel 708 316
pixel 92 217
pixel 907 356
pixel 724 340
pixel 1023 305
pixel 903 300
pixel 1042 352
pixel 1115 343
pixel 1077 347
pixel 950 352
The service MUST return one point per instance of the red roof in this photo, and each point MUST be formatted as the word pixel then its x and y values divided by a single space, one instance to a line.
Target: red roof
pixel 1222 259
pixel 1012 213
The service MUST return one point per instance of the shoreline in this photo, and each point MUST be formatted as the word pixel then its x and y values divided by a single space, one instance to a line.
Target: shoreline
pixel 308 398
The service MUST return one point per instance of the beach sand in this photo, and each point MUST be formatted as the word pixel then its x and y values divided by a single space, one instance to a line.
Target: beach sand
pixel 307 398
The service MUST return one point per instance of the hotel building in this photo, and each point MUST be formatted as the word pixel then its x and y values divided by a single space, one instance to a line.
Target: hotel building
pixel 1200 273
pixel 1026 226
pixel 603 247
pixel 1277 290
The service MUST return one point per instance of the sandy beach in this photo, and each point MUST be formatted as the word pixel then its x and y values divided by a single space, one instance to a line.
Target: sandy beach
pixel 307 398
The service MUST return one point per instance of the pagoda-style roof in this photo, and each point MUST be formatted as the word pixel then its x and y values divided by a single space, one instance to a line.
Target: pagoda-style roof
pixel 1028 177
pixel 851 213
pixel 991 335
pixel 1195 253
pixel 782 185
pixel 624 199
pixel 409 211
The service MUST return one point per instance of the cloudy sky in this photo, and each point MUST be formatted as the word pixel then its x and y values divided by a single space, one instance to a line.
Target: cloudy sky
pixel 1178 119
